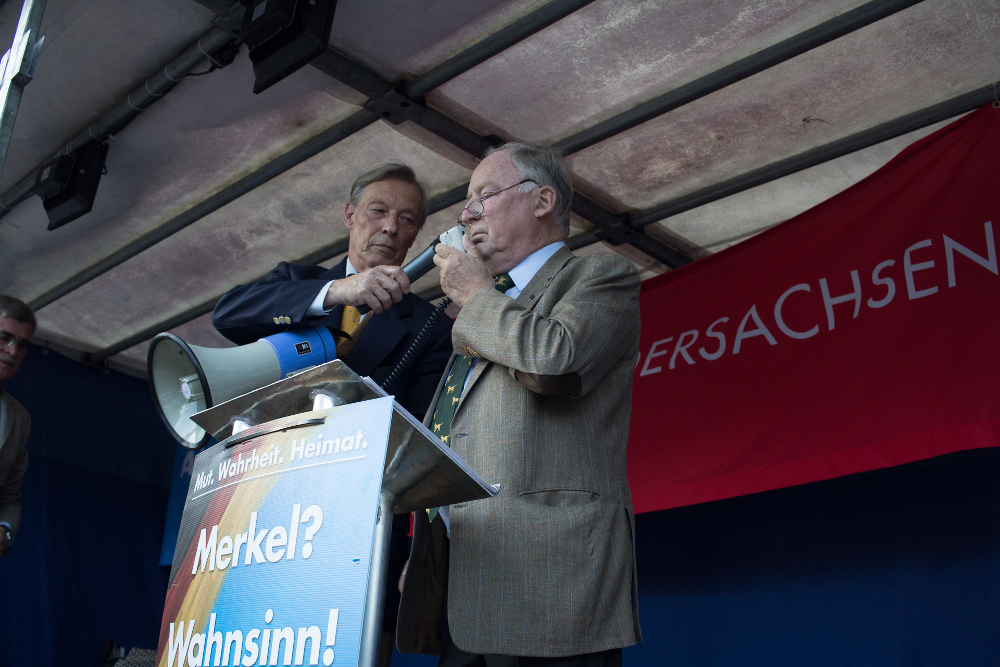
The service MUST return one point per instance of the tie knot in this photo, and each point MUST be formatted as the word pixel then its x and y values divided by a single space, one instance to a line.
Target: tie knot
pixel 503 282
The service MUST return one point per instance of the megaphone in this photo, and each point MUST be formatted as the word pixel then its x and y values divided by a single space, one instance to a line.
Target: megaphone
pixel 186 379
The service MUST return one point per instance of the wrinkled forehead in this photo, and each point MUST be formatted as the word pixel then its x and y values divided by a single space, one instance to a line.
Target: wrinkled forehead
pixel 495 172
pixel 16 327
pixel 399 194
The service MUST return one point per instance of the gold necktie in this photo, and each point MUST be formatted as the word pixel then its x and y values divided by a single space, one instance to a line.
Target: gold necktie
pixel 350 323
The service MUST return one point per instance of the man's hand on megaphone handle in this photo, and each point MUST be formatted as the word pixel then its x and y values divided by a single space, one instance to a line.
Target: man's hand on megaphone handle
pixel 378 288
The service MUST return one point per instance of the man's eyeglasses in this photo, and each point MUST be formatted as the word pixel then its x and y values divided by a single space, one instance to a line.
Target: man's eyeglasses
pixel 7 339
pixel 477 206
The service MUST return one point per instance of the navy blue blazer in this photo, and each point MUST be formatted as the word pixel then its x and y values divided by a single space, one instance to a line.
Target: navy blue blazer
pixel 247 313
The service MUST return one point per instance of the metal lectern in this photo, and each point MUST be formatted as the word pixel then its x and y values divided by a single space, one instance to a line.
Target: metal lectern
pixel 419 472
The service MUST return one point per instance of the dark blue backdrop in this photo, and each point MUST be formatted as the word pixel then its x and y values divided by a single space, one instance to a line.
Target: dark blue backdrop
pixel 84 567
pixel 897 567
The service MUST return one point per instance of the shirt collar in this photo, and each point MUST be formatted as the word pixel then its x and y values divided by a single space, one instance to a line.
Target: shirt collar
pixel 350 269
pixel 528 267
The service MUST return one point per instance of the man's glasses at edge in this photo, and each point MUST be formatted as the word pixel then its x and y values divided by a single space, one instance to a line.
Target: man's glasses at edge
pixel 7 339
pixel 477 206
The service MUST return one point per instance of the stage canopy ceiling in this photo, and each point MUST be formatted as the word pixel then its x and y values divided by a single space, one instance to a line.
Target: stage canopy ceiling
pixel 689 127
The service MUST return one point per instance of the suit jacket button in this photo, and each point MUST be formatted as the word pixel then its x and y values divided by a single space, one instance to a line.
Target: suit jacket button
pixel 276 321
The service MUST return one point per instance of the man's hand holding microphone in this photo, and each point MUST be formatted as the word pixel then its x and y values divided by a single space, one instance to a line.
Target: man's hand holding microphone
pixel 378 288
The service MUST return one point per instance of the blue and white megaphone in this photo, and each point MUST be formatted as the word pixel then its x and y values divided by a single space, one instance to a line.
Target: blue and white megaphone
pixel 186 379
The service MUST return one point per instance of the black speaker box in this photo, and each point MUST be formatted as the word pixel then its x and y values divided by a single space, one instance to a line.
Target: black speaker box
pixel 77 197
pixel 284 35
pixel 54 176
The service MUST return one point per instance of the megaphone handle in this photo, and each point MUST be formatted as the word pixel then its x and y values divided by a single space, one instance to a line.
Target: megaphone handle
pixel 424 262
pixel 420 265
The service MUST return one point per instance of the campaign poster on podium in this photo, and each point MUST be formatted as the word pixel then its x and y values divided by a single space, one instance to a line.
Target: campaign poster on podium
pixel 271 564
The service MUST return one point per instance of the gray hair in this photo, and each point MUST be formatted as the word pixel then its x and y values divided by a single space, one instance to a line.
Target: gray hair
pixel 544 166
pixel 391 171
pixel 15 309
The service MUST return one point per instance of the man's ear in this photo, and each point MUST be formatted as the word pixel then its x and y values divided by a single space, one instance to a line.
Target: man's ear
pixel 348 215
pixel 545 200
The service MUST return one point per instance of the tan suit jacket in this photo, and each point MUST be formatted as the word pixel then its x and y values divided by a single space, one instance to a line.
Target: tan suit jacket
pixel 547 568
pixel 15 426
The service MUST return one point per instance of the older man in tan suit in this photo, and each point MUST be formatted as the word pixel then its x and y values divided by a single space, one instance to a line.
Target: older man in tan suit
pixel 537 400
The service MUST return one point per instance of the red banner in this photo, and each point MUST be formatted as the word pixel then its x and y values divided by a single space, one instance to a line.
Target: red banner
pixel 862 334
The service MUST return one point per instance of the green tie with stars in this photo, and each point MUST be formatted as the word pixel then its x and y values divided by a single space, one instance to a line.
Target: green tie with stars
pixel 452 390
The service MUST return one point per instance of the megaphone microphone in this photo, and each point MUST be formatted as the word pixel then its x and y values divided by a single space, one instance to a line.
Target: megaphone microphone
pixel 424 262
pixel 186 379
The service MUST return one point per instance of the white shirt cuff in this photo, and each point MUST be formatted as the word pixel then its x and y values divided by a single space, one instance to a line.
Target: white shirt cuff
pixel 316 308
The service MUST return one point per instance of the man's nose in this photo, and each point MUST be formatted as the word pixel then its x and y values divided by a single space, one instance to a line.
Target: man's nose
pixel 466 218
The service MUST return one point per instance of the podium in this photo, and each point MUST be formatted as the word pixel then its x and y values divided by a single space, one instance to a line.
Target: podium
pixel 290 514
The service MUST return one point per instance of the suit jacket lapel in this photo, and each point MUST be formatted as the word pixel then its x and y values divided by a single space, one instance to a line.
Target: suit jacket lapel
pixel 379 338
pixel 541 281
pixel 535 288
pixel 6 423
pixel 477 371
pixel 335 272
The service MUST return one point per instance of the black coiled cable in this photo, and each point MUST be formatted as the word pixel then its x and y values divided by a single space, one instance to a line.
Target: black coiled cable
pixel 407 359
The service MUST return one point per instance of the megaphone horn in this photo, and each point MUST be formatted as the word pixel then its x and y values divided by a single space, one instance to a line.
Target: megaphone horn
pixel 186 379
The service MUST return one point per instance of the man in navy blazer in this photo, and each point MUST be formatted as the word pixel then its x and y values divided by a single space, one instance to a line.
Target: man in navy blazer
pixel 386 211
pixel 387 208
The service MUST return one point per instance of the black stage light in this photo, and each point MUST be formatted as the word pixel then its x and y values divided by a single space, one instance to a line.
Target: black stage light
pixel 284 35
pixel 77 196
